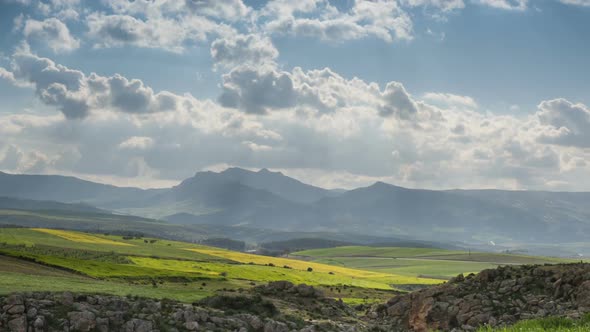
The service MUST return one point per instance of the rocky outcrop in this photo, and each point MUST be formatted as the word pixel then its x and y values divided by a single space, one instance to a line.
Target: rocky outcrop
pixel 260 309
pixel 494 297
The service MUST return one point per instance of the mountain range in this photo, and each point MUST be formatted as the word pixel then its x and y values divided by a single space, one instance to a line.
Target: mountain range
pixel 270 200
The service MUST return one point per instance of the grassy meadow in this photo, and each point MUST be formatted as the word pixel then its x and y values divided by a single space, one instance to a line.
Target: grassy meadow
pixel 557 324
pixel 418 262
pixel 113 264
pixel 70 260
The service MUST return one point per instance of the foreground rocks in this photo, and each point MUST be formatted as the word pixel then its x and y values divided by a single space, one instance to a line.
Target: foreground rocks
pixel 494 297
pixel 261 309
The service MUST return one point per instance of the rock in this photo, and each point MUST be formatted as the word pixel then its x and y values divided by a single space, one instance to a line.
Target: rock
pixel 494 297
pixel 16 309
pixel 191 326
pixel 274 326
pixel 305 290
pixel 32 312
pixel 583 296
pixel 39 323
pixel 255 322
pixel 82 320
pixel 66 299
pixel 18 324
pixel 138 325
pixel 102 324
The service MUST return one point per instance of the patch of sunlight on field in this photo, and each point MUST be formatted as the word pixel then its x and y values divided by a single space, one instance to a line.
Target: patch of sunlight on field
pixel 80 237
pixel 388 278
pixel 261 273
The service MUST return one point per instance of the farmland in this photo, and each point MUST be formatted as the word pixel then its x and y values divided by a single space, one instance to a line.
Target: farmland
pixel 418 262
pixel 126 265
pixel 160 268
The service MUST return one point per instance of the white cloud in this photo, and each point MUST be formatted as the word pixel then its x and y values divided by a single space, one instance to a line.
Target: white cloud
pixel 382 19
pixel 251 49
pixel 442 5
pixel 137 143
pixel 505 4
pixel 76 94
pixel 447 100
pixel 576 2
pixel 328 126
pixel 231 10
pixel 52 32
pixel 567 123
pixel 169 34
pixel 261 90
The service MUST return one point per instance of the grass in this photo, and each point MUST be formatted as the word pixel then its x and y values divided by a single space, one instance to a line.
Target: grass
pixel 186 292
pixel 558 324
pixel 293 264
pixel 81 237
pixel 136 246
pixel 418 262
pixel 160 268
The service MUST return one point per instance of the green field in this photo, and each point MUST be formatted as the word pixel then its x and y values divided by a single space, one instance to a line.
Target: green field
pixel 70 260
pixel 556 324
pixel 418 262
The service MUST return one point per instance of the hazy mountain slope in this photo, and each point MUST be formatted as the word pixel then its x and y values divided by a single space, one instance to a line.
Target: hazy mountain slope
pixel 258 200
pixel 27 204
pixel 553 206
pixel 67 189
pixel 213 199
pixel 276 183
pixel 383 208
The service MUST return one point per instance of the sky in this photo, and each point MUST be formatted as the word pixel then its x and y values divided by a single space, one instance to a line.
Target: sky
pixel 434 94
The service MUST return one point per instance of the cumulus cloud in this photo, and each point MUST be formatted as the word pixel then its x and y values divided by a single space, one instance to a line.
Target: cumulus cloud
pixel 76 94
pixel 505 4
pixel 261 90
pixel 159 32
pixel 568 123
pixel 576 2
pixel 382 19
pixel 252 49
pixel 442 5
pixel 315 121
pixel 231 10
pixel 54 33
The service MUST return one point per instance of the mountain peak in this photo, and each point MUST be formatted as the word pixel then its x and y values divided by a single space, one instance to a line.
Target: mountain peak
pixel 266 171
pixel 384 186
pixel 381 184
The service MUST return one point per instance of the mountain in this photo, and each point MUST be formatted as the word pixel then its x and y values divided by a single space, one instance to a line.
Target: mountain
pixel 278 184
pixel 10 203
pixel 387 209
pixel 233 197
pixel 273 201
pixel 67 189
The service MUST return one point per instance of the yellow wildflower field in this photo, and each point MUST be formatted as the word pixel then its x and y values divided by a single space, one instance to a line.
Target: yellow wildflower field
pixel 80 237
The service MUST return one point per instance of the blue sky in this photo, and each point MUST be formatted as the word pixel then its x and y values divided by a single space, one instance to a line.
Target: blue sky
pixel 419 81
